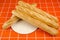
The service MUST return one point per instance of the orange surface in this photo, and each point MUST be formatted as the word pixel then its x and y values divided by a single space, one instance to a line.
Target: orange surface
pixel 6 6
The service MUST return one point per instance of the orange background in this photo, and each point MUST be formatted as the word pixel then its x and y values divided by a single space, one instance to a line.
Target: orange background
pixel 6 6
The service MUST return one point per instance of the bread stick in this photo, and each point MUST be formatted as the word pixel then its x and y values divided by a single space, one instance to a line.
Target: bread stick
pixel 35 22
pixel 12 20
pixel 37 16
pixel 38 11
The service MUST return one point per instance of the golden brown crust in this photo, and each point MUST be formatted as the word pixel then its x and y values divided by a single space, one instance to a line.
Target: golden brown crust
pixel 10 22
pixel 35 22
pixel 38 11
pixel 37 16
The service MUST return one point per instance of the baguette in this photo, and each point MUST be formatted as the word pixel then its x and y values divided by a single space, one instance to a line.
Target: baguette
pixel 10 22
pixel 38 11
pixel 35 22
pixel 38 16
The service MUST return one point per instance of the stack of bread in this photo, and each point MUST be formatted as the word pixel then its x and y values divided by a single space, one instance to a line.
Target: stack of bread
pixel 34 16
